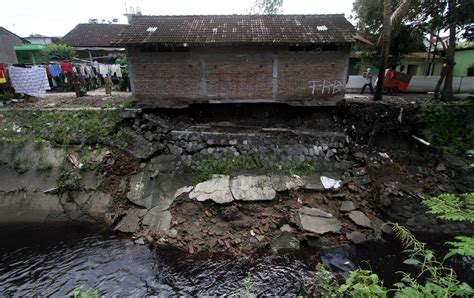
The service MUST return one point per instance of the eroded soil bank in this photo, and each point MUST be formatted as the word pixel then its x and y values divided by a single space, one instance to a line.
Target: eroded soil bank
pixel 229 179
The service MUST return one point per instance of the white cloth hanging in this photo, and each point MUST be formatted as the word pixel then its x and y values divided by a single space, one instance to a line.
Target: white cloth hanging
pixel 30 81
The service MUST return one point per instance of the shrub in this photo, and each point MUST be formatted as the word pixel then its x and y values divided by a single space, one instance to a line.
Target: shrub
pixel 449 125
pixel 58 52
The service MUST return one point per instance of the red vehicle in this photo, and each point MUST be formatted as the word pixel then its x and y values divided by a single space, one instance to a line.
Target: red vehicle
pixel 396 81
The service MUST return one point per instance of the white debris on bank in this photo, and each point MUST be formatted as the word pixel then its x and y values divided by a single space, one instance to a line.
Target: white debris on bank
pixel 330 183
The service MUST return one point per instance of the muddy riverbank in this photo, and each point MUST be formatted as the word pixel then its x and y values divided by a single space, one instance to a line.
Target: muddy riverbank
pixel 265 179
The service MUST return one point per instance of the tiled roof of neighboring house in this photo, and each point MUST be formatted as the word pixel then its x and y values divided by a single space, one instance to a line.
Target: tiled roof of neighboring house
pixel 5 31
pixel 205 29
pixel 92 35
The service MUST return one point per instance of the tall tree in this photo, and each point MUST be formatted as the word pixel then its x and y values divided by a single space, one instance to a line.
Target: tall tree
pixel 387 29
pixel 455 17
pixel 266 7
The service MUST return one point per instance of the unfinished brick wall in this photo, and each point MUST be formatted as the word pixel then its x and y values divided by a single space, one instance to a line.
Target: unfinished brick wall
pixel 213 74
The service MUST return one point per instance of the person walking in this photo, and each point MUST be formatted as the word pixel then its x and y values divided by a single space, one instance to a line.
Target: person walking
pixel 368 76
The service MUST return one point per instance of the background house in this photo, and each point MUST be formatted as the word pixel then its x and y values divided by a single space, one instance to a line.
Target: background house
pixel 93 41
pixel 464 58
pixel 41 39
pixel 8 40
pixel 175 61
pixel 29 53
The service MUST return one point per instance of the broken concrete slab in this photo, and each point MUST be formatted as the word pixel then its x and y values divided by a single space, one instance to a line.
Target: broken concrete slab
pixel 137 189
pixel 347 206
pixel 150 193
pixel 282 183
pixel 157 220
pixel 217 189
pixel 317 221
pixel 182 190
pixel 252 188
pixel 357 237
pixel 130 222
pixel 315 212
pixel 313 182
pixel 360 219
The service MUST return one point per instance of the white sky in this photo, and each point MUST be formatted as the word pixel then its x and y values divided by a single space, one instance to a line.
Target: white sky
pixel 57 17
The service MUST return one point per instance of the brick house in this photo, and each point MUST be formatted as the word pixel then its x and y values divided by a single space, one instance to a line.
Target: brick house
pixel 175 61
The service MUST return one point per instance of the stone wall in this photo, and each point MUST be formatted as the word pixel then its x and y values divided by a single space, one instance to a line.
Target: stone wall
pixel 215 75
pixel 151 135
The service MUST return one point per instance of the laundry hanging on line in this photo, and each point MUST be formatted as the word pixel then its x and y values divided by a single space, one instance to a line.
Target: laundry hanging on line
pixel 31 81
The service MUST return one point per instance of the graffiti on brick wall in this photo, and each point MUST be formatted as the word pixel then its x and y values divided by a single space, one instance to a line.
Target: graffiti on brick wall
pixel 326 87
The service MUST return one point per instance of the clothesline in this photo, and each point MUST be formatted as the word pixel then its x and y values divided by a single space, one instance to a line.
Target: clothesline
pixel 35 80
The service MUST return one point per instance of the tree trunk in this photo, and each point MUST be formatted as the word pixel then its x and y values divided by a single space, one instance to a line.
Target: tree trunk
pixel 448 82
pixel 440 82
pixel 387 7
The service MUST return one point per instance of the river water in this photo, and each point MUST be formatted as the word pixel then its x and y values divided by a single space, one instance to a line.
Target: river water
pixel 52 260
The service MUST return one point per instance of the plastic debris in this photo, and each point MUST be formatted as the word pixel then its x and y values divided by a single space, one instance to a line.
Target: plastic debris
pixel 421 140
pixel 400 116
pixel 330 183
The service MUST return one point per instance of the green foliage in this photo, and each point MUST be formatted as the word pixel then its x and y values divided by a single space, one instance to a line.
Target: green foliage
pixel 58 52
pixel 321 282
pixel 368 15
pixel 80 292
pixel 248 285
pixel 441 281
pixel 44 165
pixel 266 7
pixel 69 179
pixel 455 208
pixel 228 163
pixel 449 125
pixel 6 96
pixel 122 61
pixel 452 207
pixel 20 166
pixel 363 283
pixel 463 245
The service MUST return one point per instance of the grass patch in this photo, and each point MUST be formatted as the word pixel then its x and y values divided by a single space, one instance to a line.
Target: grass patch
pixel 19 166
pixel 209 165
pixel 44 165
pixel 60 127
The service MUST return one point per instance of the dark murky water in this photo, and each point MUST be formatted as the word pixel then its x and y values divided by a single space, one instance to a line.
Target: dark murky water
pixel 54 259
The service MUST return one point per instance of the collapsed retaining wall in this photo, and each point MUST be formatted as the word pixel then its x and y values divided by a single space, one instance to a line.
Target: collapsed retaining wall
pixel 188 145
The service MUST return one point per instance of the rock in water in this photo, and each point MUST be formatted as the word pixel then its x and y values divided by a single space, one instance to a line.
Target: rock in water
pixel 217 189
pixel 360 219
pixel 252 188
pixel 318 221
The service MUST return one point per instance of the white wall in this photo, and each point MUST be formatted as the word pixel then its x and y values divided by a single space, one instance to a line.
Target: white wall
pixel 419 84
